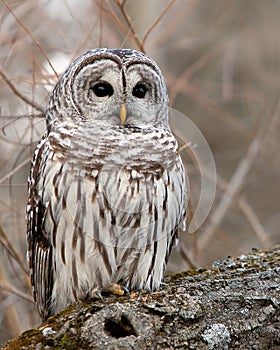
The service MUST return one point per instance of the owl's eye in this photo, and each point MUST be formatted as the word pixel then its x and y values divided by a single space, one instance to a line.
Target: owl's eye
pixel 139 90
pixel 103 89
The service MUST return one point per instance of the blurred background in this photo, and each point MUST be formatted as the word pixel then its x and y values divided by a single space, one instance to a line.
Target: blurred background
pixel 221 62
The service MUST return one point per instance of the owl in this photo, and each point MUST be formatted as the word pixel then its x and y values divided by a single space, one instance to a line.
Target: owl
pixel 107 186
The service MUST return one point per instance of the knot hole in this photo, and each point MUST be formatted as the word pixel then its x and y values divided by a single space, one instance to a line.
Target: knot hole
pixel 119 328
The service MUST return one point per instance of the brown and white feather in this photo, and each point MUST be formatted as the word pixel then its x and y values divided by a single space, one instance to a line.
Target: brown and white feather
pixel 105 200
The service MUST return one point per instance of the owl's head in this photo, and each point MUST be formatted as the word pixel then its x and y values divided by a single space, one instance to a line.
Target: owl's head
pixel 112 87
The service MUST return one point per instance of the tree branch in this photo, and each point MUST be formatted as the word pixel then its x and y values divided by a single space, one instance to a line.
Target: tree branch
pixel 229 306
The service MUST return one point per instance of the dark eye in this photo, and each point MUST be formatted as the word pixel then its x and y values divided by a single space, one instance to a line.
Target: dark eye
pixel 103 89
pixel 139 90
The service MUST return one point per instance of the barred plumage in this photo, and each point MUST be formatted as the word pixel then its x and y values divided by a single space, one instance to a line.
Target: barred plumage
pixel 107 185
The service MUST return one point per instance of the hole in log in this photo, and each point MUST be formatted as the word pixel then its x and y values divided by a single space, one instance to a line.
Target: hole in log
pixel 119 328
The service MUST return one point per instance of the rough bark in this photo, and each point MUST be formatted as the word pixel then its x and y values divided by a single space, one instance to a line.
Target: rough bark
pixel 233 305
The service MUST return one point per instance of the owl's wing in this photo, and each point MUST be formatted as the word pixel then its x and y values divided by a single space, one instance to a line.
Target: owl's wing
pixel 39 248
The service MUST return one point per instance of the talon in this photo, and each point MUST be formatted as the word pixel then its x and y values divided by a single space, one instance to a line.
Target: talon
pixel 126 291
pixel 118 289
pixel 96 294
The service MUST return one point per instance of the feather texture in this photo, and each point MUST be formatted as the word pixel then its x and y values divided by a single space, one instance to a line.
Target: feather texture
pixel 105 204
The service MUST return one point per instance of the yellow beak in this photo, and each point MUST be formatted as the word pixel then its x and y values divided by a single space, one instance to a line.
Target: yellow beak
pixel 123 114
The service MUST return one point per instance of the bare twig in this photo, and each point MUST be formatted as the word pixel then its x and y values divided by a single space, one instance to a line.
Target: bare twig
pixel 11 250
pixel 187 257
pixel 237 180
pixel 190 70
pixel 21 116
pixel 14 118
pixel 229 62
pixel 134 35
pixel 43 52
pixel 111 13
pixel 9 309
pixel 254 222
pixel 20 95
pixel 100 24
pixel 248 212
pixel 155 23
pixel 17 292
pixel 224 116
pixel 15 170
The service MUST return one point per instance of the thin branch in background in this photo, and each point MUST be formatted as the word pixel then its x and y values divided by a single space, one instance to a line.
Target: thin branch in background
pixel 189 71
pixel 14 185
pixel 123 26
pixel 224 116
pixel 112 14
pixel 16 292
pixel 238 179
pixel 140 44
pixel 155 23
pixel 21 116
pixel 20 95
pixel 248 213
pixel 100 44
pixel 242 203
pixel 43 52
pixel 228 70
pixel 9 309
pixel 128 20
pixel 174 24
pixel 187 257
pixel 11 250
pixel 115 17
pixel 12 119
pixel 255 223
pixel 15 170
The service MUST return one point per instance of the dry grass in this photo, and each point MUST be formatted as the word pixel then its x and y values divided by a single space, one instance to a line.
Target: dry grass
pixel 221 62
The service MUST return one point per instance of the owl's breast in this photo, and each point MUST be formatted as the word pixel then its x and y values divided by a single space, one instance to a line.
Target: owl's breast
pixel 145 151
pixel 127 186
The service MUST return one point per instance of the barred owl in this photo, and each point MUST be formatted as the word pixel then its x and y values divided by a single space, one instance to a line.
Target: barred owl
pixel 107 185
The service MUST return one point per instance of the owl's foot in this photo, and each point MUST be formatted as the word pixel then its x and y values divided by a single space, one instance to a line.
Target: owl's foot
pixel 96 294
pixel 118 289
pixel 114 288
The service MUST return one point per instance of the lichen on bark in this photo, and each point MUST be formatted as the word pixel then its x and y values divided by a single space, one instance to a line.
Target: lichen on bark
pixel 235 304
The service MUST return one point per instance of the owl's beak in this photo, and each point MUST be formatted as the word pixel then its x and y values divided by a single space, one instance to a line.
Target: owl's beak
pixel 123 113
